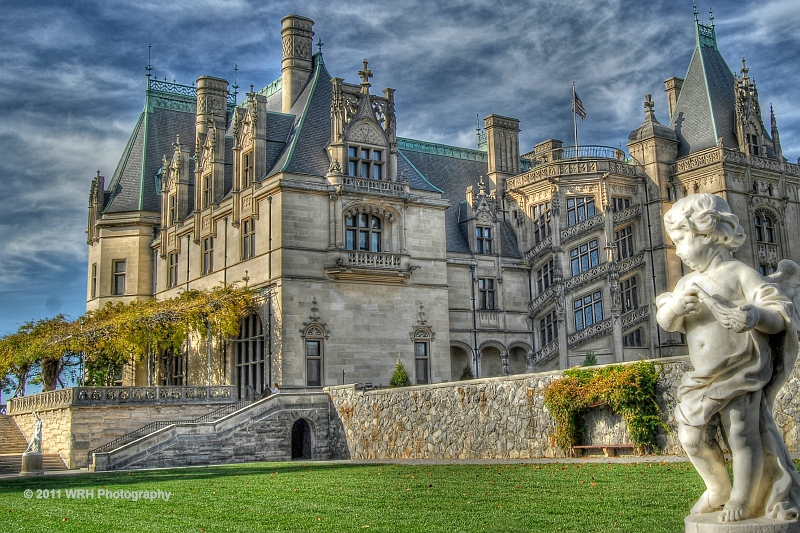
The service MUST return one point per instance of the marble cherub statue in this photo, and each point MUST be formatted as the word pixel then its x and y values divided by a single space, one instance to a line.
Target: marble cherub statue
pixel 35 446
pixel 743 345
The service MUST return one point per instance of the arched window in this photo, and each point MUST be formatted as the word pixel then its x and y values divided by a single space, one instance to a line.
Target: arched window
pixel 422 337
pixel 363 232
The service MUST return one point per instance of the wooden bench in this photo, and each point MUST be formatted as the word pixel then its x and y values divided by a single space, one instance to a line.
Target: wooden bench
pixel 609 450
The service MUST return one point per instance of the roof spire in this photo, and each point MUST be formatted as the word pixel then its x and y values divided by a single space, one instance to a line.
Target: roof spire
pixel 776 139
pixel 235 83
pixel 148 68
pixel 320 44
pixel 711 16
pixel 745 70
pixel 365 75
pixel 694 5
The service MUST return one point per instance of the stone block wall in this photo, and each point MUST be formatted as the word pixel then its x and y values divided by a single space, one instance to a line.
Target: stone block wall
pixel 501 418
pixel 73 431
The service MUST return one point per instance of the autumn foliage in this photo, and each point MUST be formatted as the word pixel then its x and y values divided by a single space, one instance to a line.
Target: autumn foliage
pixel 120 332
pixel 628 390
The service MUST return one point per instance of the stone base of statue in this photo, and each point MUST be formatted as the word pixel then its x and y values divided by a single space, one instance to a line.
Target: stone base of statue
pixel 708 523
pixel 31 464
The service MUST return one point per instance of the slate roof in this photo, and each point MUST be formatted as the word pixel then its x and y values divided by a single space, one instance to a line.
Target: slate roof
pixel 705 108
pixel 134 189
pixel 452 175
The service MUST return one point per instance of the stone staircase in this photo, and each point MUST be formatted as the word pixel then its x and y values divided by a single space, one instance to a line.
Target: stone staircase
pixel 11 438
pixel 260 431
pixel 13 444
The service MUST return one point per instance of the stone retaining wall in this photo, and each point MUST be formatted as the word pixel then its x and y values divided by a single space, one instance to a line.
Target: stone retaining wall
pixel 73 431
pixel 500 418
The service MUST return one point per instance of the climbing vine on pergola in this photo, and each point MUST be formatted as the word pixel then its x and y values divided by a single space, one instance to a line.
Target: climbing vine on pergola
pixel 121 332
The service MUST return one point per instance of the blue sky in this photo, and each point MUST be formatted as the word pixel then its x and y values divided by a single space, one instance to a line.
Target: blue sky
pixel 72 86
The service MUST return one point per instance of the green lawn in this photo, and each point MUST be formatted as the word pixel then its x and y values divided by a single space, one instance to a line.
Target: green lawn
pixel 583 498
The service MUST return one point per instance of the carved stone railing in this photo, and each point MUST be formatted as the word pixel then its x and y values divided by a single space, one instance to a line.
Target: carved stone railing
pixel 545 354
pixel 571 167
pixel 109 396
pixel 584 278
pixel 632 318
pixel 634 211
pixel 539 301
pixel 373 259
pixel 589 333
pixel 393 188
pixel 539 249
pixel 714 154
pixel 582 228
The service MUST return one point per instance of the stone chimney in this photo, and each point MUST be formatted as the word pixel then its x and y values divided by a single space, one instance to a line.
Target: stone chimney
pixel 672 87
pixel 210 122
pixel 296 64
pixel 502 139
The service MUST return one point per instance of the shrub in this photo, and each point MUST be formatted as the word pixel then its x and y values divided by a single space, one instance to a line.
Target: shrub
pixel 590 359
pixel 628 390
pixel 400 377
pixel 466 374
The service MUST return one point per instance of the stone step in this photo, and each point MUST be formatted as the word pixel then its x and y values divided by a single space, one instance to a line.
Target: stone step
pixel 11 438
pixel 12 463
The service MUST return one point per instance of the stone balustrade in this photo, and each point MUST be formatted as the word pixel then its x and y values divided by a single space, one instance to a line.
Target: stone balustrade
pixel 375 186
pixel 114 396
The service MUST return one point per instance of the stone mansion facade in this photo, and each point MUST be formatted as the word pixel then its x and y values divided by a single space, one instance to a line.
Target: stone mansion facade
pixel 369 248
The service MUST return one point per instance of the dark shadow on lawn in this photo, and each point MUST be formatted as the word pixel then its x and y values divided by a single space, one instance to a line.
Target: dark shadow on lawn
pixel 181 474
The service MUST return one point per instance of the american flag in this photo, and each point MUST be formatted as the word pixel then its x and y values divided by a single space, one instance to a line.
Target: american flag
pixel 577 105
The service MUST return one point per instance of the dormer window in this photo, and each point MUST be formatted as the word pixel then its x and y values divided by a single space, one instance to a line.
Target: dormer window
pixel 365 162
pixel 206 198
pixel 483 240
pixel 752 144
pixel 173 206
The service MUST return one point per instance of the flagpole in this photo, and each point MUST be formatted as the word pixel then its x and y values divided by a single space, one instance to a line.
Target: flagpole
pixel 574 120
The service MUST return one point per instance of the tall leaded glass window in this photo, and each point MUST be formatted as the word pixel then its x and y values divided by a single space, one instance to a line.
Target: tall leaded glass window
pixel 486 293
pixel 548 329
pixel 544 277
pixel 483 240
pixel 118 277
pixel 624 239
pixel 248 238
pixel 584 257
pixel 365 162
pixel 250 357
pixel 208 255
pixel 421 362
pixel 173 368
pixel 541 221
pixel 579 209
pixel 630 296
pixel 588 310
pixel 172 270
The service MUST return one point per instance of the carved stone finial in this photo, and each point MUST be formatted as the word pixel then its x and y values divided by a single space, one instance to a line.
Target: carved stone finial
pixel 745 70
pixel 481 187
pixel 365 75
pixel 648 102
pixel 320 44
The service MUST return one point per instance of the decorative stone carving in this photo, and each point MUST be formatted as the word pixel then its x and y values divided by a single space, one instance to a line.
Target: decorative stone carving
pixel 368 134
pixel 742 338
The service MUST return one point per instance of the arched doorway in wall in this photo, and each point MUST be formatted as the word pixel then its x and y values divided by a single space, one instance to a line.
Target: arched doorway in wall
pixel 517 359
pixel 460 359
pixel 302 440
pixel 491 361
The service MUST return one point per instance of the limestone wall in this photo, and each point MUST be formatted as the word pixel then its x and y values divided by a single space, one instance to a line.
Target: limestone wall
pixel 499 418
pixel 73 431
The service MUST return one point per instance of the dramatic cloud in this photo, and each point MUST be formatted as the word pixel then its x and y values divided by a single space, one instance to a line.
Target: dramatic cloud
pixel 72 86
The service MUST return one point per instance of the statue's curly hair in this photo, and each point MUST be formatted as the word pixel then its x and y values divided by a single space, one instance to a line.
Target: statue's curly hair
pixel 709 216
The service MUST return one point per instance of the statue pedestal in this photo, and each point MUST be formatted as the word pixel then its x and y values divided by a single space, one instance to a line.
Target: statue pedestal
pixel 31 464
pixel 707 523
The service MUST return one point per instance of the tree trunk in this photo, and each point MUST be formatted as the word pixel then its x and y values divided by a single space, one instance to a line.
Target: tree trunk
pixel 51 368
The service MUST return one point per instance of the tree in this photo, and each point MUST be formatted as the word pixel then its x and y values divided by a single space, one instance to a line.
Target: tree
pixel 400 377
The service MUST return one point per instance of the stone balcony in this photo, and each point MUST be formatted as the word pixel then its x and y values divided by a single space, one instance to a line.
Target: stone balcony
pixel 564 161
pixel 356 265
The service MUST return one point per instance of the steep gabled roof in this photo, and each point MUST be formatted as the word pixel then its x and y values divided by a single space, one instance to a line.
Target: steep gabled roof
pixel 706 104
pixel 168 113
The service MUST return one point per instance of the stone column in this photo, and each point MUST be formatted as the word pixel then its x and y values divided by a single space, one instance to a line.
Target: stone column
pixel 504 361
pixel 558 279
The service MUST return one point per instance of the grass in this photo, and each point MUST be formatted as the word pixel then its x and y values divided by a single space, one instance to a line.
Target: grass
pixel 585 498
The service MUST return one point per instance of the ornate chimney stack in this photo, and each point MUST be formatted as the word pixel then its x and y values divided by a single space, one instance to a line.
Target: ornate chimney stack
pixel 296 63
pixel 502 138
